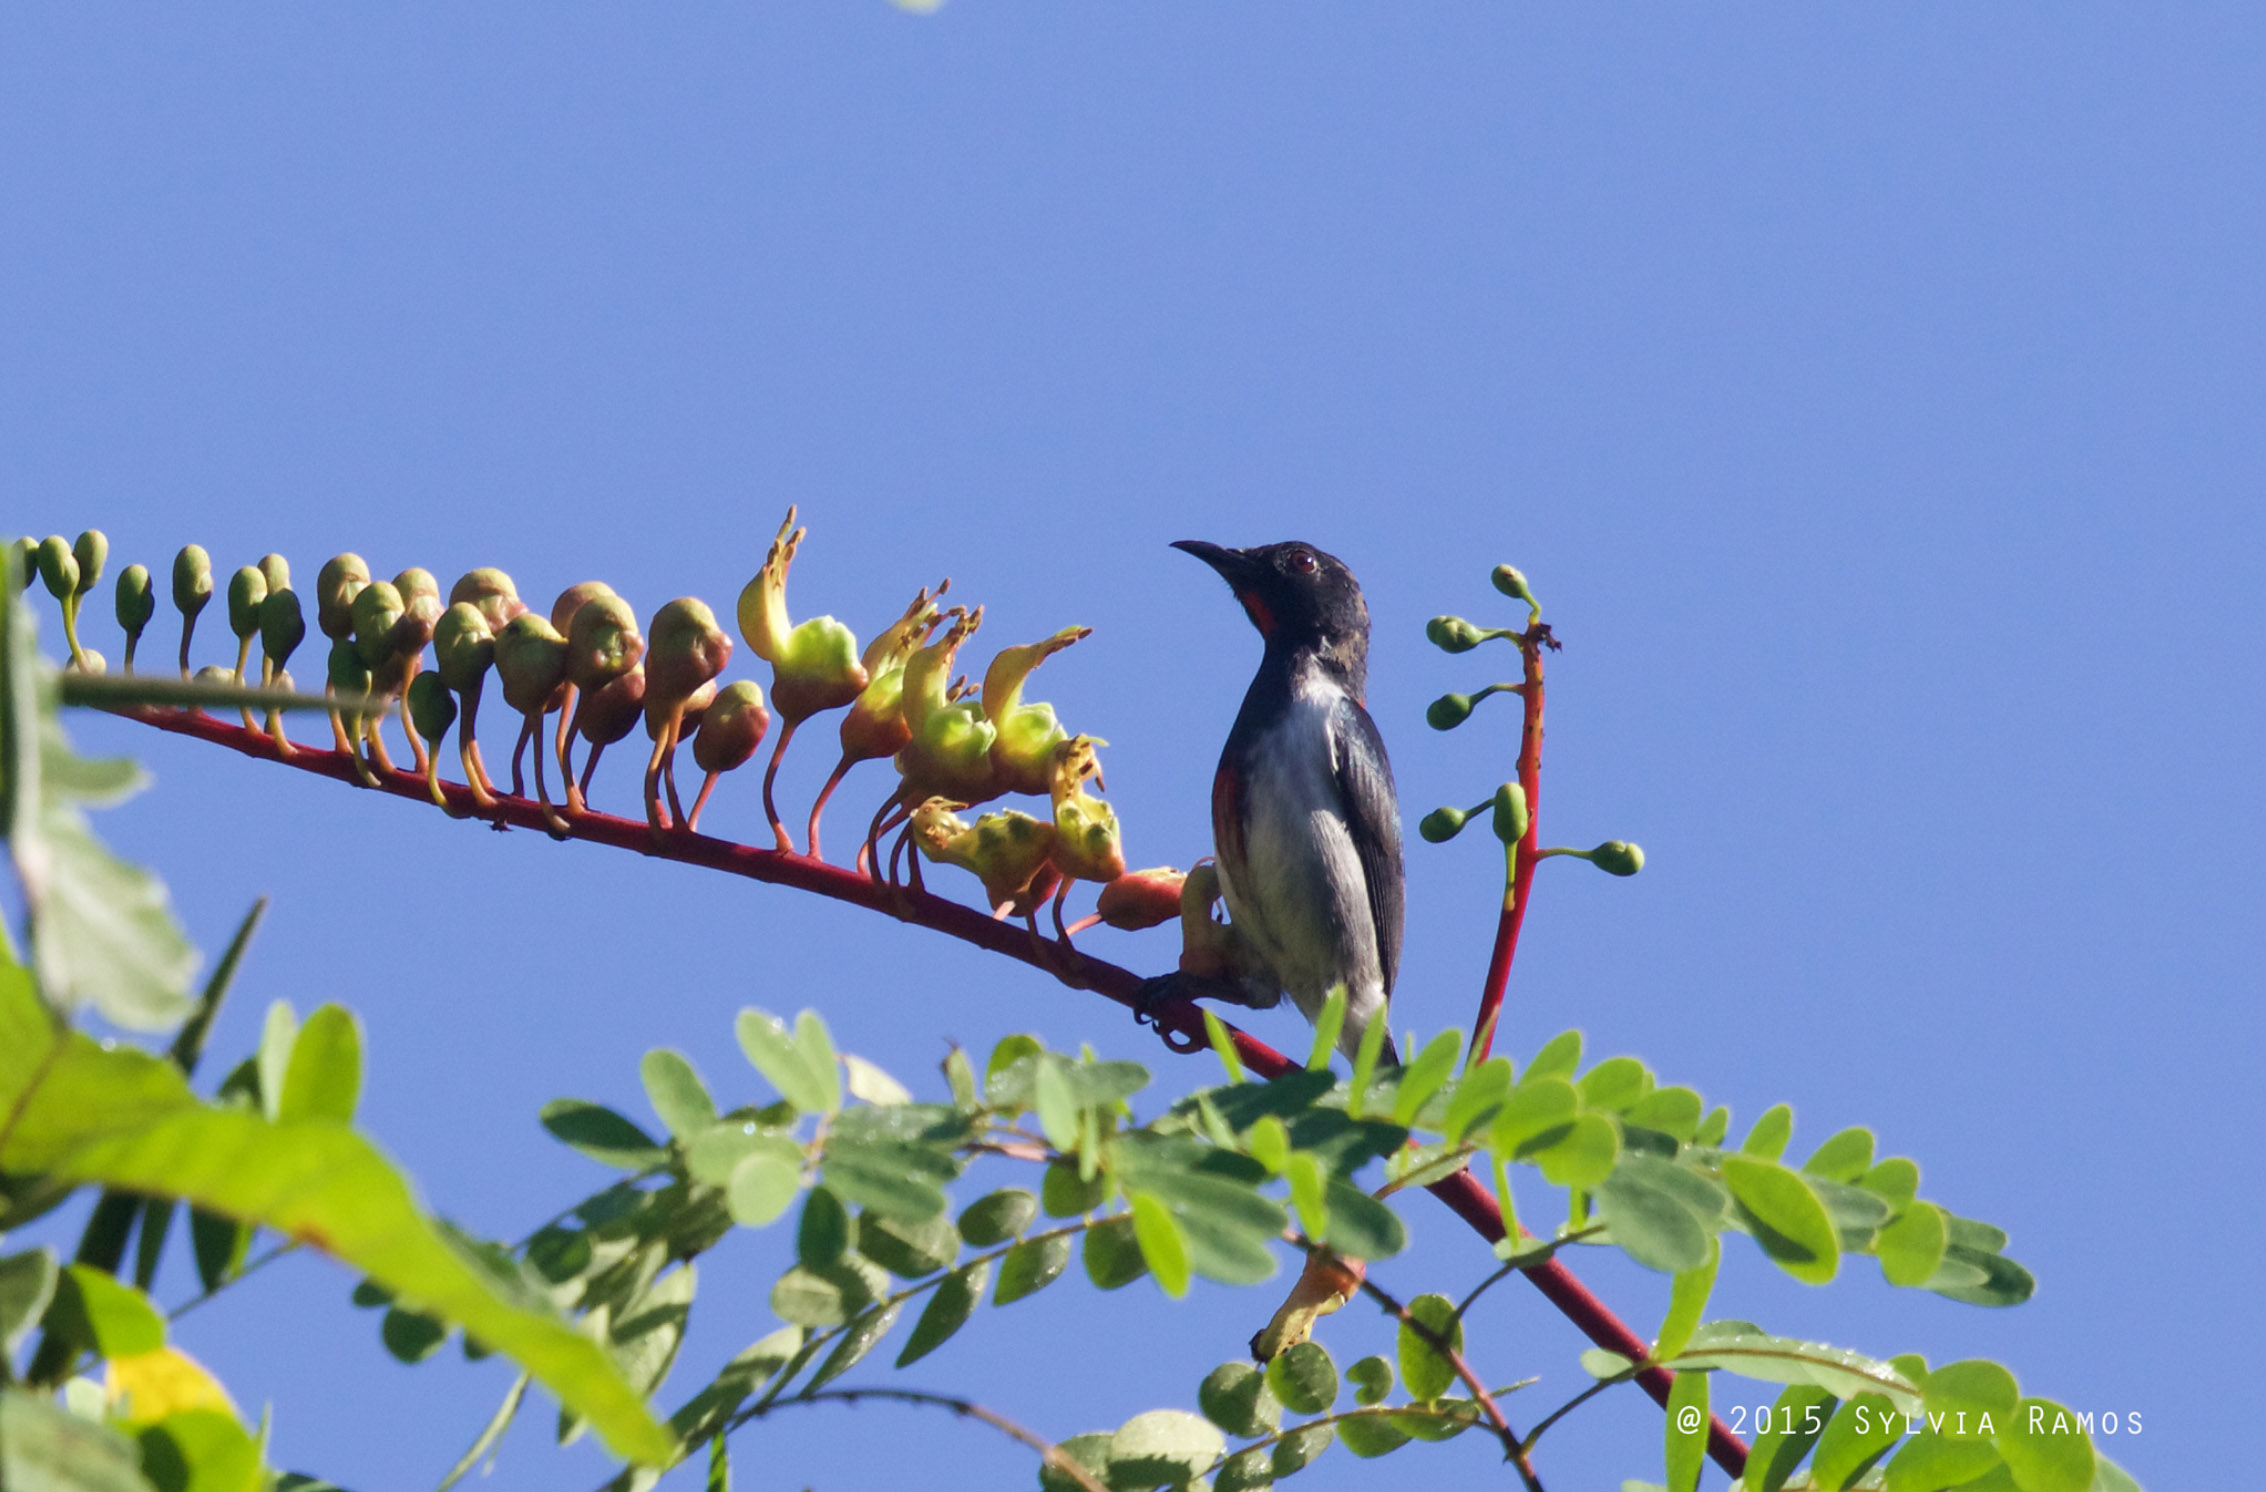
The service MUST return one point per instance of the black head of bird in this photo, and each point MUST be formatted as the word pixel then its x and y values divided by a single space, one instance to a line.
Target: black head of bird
pixel 1301 599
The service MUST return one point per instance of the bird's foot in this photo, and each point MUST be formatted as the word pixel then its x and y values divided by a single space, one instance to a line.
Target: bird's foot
pixel 1156 996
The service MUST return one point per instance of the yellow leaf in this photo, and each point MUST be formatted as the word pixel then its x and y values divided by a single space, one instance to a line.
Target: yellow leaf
pixel 146 1388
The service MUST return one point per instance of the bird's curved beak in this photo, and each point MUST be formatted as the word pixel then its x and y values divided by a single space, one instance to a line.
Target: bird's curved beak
pixel 1233 565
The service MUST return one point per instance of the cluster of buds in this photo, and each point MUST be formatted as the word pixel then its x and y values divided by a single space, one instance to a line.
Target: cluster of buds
pixel 586 671
pixel 1509 812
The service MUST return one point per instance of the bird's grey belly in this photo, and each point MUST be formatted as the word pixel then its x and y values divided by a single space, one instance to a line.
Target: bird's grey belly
pixel 1297 897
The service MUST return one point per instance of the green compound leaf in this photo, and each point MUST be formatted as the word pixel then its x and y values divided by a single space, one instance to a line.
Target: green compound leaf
pixel 1687 1302
pixel 1371 1435
pixel 677 1094
pixel 1910 1247
pixel 822 1234
pixel 1786 1433
pixel 828 1295
pixel 863 1335
pixel 1235 1397
pixel 993 1219
pixel 1845 1157
pixel 1615 1084
pixel 1112 1254
pixel 1857 1436
pixel 27 1284
pixel 603 1135
pixel 1030 1266
pixel 910 1251
pixel 1643 1205
pixel 44 1448
pixel 1895 1181
pixel 949 1307
pixel 762 1187
pixel 1785 1216
pixel 1424 1368
pixel 1372 1380
pixel 1560 1057
pixel 788 1067
pixel 1686 1431
pixel 1741 1347
pixel 1768 1139
pixel 716 1152
pixel 1958 1396
pixel 1582 1156
pixel 1304 1380
pixel 126 1119
pixel 1300 1449
pixel 1065 1193
pixel 323 1078
pixel 2047 1448
pixel 1426 1075
pixel 1929 1461
pixel 1538 1111
pixel 96 1313
pixel 1163 1447
pixel 1479 1094
pixel 1674 1112
pixel 892 1178
pixel 1159 1243
pixel 1362 1226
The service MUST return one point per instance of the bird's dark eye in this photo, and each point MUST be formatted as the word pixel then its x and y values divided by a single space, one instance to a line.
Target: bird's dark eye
pixel 1302 562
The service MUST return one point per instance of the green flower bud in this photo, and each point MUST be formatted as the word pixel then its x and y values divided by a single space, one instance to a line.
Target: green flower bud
pixel 1008 852
pixel 573 599
pixel 685 649
pixel 1024 752
pixel 137 603
pixel 1442 824
pixel 192 580
pixel 1617 857
pixel 90 662
pixel 377 606
pixel 347 673
pixel 23 561
pixel 92 551
pixel 815 666
pixel 1452 634
pixel 277 571
pixel 247 588
pixel 1512 584
pixel 431 708
pixel 283 625
pixel 949 751
pixel 420 595
pixel 1449 711
pixel 732 728
pixel 1511 816
pixel 342 578
pixel 59 568
pixel 530 663
pixel 609 713
pixel 1086 830
pixel 213 673
pixel 463 646
pixel 490 591
pixel 603 642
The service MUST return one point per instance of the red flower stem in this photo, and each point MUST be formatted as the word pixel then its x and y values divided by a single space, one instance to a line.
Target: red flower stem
pixel 1507 926
pixel 1461 1192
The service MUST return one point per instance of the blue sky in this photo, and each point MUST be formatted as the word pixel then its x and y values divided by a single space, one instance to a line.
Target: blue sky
pixel 1870 392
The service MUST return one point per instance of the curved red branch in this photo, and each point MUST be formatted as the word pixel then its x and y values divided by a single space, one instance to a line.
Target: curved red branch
pixel 1462 1192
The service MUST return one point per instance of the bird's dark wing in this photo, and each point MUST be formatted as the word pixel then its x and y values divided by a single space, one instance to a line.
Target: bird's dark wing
pixel 1372 812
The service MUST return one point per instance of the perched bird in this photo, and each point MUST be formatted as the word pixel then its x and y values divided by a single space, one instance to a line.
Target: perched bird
pixel 1304 819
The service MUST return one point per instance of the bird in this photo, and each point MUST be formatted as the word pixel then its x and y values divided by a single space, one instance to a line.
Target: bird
pixel 1305 821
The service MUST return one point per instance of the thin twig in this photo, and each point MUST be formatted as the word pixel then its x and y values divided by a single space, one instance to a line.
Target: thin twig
pixel 1048 1451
